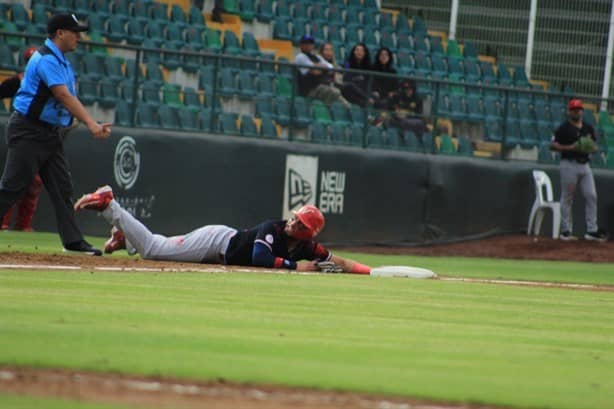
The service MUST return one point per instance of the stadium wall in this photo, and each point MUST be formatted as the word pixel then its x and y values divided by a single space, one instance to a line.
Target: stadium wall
pixel 176 182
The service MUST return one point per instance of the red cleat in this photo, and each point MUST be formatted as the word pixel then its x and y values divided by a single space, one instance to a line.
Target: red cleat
pixel 99 200
pixel 117 241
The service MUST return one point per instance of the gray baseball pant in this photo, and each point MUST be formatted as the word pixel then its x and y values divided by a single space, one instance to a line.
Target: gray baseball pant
pixel 572 175
pixel 207 244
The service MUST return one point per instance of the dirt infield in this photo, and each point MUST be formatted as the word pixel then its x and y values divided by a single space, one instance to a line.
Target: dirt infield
pixel 180 394
pixel 173 393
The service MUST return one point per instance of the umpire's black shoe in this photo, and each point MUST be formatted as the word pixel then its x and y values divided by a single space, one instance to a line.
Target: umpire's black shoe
pixel 82 247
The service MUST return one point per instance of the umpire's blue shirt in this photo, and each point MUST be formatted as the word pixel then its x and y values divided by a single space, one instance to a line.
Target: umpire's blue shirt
pixel 47 67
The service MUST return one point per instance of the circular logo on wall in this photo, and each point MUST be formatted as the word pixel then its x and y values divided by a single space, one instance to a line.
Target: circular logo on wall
pixel 126 163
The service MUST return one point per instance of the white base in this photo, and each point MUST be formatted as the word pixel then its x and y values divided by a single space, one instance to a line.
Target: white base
pixel 402 271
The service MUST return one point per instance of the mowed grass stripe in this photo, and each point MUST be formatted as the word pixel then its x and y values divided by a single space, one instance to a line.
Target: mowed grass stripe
pixel 27 402
pixel 528 347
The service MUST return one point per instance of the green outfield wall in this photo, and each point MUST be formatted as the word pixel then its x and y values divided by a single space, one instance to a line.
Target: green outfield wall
pixel 175 182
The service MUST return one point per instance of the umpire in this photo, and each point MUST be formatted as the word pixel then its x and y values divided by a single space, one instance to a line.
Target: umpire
pixel 44 108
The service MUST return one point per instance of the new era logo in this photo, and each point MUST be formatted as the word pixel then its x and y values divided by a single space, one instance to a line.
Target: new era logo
pixel 299 190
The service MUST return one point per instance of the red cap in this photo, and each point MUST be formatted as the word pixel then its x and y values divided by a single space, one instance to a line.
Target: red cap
pixel 575 104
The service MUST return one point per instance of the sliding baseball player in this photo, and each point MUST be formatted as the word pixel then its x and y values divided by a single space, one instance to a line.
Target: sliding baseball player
pixel 285 244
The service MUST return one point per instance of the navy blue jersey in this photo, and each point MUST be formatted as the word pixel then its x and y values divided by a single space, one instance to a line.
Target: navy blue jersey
pixel 266 245
pixel 568 134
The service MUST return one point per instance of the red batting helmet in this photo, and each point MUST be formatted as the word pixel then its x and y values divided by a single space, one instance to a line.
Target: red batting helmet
pixel 312 218
pixel 28 53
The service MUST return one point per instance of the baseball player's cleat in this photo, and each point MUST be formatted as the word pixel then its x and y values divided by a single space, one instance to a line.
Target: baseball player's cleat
pixel 117 241
pixel 99 200
pixel 567 236
pixel 82 247
pixel 598 235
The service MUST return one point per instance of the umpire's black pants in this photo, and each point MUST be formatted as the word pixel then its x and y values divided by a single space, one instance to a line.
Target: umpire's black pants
pixel 35 147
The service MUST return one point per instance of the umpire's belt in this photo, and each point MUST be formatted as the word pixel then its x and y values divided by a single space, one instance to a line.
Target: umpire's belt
pixel 37 122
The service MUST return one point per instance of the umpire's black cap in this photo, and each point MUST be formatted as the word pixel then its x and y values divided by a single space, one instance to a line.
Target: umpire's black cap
pixel 65 22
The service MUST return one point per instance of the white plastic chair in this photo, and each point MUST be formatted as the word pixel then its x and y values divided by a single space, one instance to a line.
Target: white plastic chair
pixel 541 204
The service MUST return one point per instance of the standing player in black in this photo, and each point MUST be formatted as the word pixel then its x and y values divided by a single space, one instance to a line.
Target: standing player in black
pixel 575 170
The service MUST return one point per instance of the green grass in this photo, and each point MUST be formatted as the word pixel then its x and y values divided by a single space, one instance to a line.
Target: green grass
pixel 448 341
pixel 26 402
pixel 451 341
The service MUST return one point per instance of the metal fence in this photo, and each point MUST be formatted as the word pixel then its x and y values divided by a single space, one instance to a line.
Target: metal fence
pixel 570 36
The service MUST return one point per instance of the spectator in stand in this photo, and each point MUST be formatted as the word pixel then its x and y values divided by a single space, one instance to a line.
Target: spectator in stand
pixel 216 12
pixel 407 109
pixel 356 85
pixel 313 80
pixel 328 53
pixel 27 204
pixel 384 88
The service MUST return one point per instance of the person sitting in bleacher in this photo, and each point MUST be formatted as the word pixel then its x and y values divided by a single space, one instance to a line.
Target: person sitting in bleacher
pixel 407 110
pixel 356 85
pixel 328 53
pixel 314 82
pixel 384 88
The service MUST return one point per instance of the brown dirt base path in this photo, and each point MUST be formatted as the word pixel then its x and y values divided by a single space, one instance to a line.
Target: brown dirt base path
pixel 140 392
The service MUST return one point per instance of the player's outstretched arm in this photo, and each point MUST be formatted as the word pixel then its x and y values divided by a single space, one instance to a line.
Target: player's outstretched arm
pixel 350 266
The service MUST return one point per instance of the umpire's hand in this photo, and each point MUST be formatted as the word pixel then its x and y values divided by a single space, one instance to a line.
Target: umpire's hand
pixel 100 131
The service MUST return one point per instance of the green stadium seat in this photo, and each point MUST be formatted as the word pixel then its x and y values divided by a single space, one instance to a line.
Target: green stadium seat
pixel 335 37
pixel 7 59
pixel 109 93
pixel 248 126
pixel 135 31
pixel 102 7
pixel 247 10
pixel 150 94
pixel 356 135
pixel 265 11
pixel 178 16
pixel 208 120
pixel 453 50
pixel 402 26
pixel 503 75
pixel 301 10
pixel 188 120
pixel 375 139
pixel 155 32
pixel 470 51
pixel 194 37
pixel 206 77
pixel 231 6
pixel 168 117
pixel 302 117
pixel 231 43
pixel 318 133
pixel 340 114
pixel 171 95
pixel 282 111
pixel 151 56
pixel 40 16
pixel 370 19
pixel 281 29
pixel 126 90
pixel 282 9
pixel 321 113
pixel 121 8
pixel 19 16
pixel 191 99
pixel 247 85
pixel 317 32
pixel 229 123
pixel 116 30
pixel 158 11
pixel 446 145
pixel 268 129
pixel 93 66
pixel 353 15
pixel 88 90
pixel 419 26
pixel 123 114
pixel 15 43
pixel 196 18
pixel 475 109
pixel 228 85
pixel 338 134
pixel 213 40
pixel 153 74
pixel 61 6
pixel 250 45
pixel 283 87
pixel 263 106
pixel 336 14
pixel 319 10
pixel 439 67
pixel 175 35
pixel 113 68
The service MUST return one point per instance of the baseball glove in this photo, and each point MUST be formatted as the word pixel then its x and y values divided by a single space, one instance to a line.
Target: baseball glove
pixel 329 267
pixel 585 145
